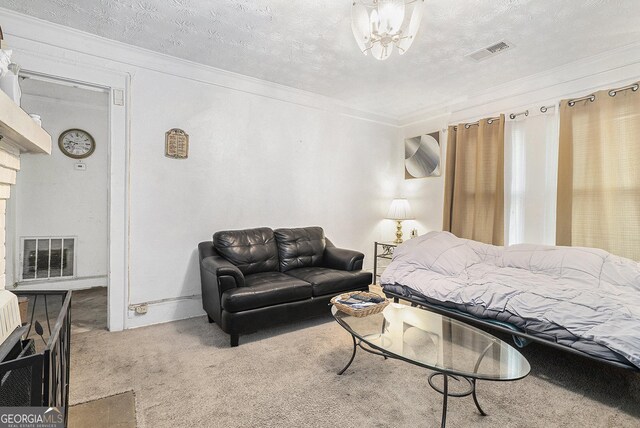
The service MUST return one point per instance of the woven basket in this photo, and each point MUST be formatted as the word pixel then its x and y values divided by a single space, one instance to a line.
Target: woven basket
pixel 359 312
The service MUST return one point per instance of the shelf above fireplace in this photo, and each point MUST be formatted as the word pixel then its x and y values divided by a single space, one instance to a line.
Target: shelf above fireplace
pixel 18 129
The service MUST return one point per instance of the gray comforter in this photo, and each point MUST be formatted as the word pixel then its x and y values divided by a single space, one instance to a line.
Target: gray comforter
pixel 582 297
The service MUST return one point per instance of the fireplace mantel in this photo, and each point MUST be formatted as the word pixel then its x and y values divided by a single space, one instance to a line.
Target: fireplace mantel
pixel 19 130
pixel 19 133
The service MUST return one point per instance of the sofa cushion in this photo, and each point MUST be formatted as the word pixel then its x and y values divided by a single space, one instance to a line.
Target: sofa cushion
pixel 251 250
pixel 301 247
pixel 265 289
pixel 330 281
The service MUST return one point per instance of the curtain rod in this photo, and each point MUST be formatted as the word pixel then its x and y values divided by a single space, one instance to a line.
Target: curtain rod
pixel 634 87
pixel 489 121
pixel 573 102
pixel 612 93
pixel 470 124
pixel 591 97
pixel 514 115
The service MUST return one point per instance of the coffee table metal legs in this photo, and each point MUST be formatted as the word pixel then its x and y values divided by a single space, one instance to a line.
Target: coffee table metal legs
pixel 475 398
pixel 352 356
pixel 364 348
pixel 444 390
pixel 446 393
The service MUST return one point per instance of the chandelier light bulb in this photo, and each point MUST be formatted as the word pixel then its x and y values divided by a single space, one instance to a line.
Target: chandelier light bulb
pixel 391 15
pixel 378 25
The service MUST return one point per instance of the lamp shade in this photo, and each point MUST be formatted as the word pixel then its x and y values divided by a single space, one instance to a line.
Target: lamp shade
pixel 400 210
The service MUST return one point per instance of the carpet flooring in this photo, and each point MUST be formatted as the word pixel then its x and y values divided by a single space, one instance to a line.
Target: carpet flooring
pixel 185 375
pixel 89 309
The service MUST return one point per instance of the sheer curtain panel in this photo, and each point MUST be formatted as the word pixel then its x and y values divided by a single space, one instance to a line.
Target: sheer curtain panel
pixel 531 162
pixel 474 181
pixel 599 173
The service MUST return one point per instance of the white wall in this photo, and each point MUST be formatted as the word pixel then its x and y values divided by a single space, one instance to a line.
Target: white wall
pixel 260 155
pixel 426 195
pixel 52 198
pixel 253 161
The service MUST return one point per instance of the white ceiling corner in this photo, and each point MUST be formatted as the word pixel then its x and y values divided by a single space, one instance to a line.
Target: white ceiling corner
pixel 308 45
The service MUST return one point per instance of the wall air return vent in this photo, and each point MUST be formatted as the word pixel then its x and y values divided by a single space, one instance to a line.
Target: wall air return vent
pixel 490 51
pixel 48 258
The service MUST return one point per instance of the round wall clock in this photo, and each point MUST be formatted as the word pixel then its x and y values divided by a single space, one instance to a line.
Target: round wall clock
pixel 76 143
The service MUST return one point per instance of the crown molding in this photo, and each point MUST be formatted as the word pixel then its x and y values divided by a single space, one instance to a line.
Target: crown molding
pixel 23 31
pixel 614 66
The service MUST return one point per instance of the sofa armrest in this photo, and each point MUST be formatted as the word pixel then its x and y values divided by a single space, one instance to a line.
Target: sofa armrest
pixel 228 275
pixel 342 259
pixel 217 275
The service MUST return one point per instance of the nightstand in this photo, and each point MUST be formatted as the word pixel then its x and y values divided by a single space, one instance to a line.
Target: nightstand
pixel 382 255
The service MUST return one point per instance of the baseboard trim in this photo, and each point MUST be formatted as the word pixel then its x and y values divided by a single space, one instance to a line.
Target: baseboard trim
pixel 167 310
pixel 69 284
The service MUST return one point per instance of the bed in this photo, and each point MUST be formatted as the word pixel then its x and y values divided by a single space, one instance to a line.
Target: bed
pixel 582 300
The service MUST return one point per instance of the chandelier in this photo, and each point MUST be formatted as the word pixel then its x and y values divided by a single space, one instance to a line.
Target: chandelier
pixel 378 25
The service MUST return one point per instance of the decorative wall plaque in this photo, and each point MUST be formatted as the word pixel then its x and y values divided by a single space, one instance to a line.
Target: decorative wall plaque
pixel 422 156
pixel 176 144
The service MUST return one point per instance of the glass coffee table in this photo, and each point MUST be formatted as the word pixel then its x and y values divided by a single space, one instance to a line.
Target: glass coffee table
pixel 452 349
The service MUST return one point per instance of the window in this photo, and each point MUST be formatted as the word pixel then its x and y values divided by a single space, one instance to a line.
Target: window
pixel 531 162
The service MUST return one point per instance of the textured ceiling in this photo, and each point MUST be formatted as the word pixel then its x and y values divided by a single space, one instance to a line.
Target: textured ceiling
pixel 308 44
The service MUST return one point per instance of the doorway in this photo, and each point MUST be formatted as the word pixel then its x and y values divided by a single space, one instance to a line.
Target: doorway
pixel 58 215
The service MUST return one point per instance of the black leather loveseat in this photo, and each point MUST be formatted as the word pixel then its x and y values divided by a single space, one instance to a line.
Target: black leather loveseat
pixel 258 277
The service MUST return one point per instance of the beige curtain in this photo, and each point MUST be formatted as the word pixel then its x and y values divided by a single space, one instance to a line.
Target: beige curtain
pixel 474 181
pixel 599 173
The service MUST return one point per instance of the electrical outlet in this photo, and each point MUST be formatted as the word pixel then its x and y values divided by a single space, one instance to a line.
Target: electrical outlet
pixel 141 309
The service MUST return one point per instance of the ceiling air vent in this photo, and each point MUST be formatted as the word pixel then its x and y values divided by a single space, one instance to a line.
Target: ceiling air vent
pixel 489 51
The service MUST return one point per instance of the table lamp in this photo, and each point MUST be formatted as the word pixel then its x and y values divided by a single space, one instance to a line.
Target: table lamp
pixel 398 211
